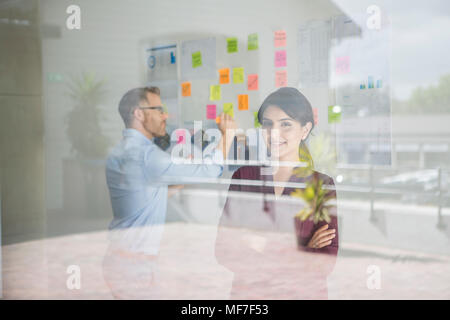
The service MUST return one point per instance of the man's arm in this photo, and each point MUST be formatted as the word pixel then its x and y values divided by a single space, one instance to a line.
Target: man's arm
pixel 160 167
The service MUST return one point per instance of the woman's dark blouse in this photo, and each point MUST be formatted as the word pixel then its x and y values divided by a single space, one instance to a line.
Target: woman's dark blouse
pixel 307 230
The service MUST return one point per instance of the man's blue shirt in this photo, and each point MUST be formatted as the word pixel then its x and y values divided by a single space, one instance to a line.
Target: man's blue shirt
pixel 138 173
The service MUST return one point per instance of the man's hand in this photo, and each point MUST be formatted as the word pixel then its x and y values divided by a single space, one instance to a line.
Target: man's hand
pixel 322 237
pixel 227 127
pixel 226 122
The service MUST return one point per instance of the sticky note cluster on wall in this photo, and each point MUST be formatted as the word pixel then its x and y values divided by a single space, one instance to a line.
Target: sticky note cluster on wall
pixel 237 77
pixel 280 58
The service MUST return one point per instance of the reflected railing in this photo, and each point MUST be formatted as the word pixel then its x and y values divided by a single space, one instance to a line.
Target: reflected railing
pixel 372 183
pixel 409 181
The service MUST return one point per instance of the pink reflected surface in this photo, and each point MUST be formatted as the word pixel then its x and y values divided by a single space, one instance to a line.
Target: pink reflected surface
pixel 187 269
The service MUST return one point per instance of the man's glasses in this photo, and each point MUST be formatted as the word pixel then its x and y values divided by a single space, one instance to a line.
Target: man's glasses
pixel 160 108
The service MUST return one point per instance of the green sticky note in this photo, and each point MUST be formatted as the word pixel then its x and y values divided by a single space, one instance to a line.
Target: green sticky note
pixel 228 109
pixel 238 75
pixel 196 59
pixel 252 41
pixel 214 92
pixel 334 114
pixel 256 121
pixel 232 45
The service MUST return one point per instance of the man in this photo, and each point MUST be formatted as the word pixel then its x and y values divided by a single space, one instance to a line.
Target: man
pixel 138 174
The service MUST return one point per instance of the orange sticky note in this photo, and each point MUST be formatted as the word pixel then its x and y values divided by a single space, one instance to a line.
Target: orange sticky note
pixel 280 78
pixel 252 82
pixel 280 38
pixel 186 89
pixel 224 76
pixel 243 101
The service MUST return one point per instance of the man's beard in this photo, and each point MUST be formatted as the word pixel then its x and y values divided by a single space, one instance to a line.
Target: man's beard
pixel 156 133
pixel 163 141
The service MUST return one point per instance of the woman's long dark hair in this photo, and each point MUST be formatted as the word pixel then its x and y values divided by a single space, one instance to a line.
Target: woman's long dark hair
pixel 296 106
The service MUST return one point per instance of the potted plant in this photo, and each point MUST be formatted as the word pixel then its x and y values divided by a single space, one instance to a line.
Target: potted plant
pixel 85 191
pixel 318 201
pixel 83 121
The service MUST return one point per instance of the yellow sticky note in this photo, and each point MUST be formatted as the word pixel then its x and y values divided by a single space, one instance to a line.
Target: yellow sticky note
pixel 186 89
pixel 238 75
pixel 243 101
pixel 224 76
pixel 228 109
pixel 214 92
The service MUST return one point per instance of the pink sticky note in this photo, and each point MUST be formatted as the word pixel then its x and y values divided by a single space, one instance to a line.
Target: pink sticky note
pixel 280 58
pixel 252 82
pixel 342 65
pixel 211 111
pixel 280 38
pixel 280 78
pixel 316 115
pixel 181 136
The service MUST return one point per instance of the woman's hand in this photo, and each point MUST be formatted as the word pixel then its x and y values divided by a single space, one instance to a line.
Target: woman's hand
pixel 322 237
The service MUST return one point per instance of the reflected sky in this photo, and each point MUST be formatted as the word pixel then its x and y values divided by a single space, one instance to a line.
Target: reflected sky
pixel 420 37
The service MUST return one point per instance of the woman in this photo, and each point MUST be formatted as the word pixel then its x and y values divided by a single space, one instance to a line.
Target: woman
pixel 250 250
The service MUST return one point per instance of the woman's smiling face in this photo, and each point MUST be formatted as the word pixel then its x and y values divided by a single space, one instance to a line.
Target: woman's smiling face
pixel 290 133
